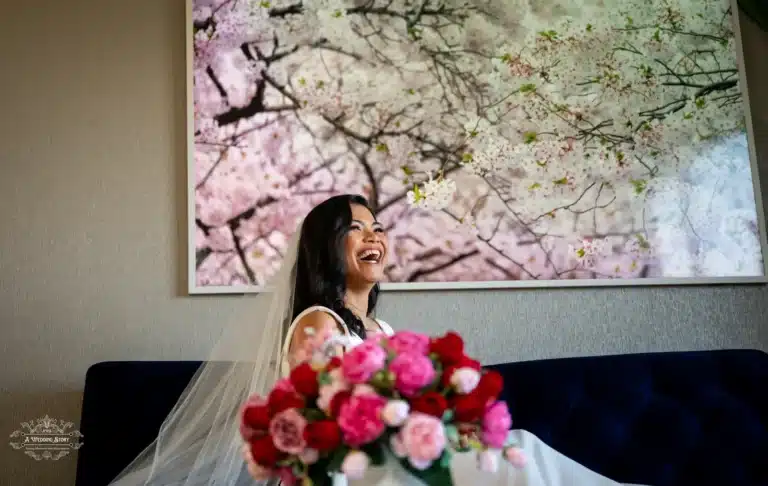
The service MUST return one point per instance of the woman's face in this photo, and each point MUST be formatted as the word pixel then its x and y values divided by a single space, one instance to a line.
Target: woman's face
pixel 365 247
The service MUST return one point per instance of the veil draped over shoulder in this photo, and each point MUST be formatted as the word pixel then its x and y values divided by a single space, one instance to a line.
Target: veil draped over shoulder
pixel 199 441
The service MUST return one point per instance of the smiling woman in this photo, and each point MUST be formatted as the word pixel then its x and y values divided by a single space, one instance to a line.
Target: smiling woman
pixel 342 255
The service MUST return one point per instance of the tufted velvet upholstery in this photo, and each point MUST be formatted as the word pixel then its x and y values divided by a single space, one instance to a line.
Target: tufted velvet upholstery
pixel 661 419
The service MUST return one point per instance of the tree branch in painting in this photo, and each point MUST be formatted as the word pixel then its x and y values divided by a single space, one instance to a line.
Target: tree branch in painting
pixel 496 143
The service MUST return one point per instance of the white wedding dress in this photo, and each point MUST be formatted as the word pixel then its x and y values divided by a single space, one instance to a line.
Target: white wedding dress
pixel 544 467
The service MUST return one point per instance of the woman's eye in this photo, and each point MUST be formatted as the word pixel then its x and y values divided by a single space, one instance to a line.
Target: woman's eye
pixel 379 230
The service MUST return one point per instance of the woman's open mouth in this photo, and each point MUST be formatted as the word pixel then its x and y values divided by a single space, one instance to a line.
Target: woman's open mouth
pixel 369 256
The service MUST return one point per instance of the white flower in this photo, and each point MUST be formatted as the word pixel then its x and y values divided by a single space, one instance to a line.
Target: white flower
pixel 435 194
pixel 464 380
pixel 355 464
pixel 395 412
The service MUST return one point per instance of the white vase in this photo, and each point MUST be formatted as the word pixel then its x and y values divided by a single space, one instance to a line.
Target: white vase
pixel 391 473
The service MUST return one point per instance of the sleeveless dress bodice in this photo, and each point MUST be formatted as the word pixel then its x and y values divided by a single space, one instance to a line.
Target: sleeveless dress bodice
pixel 349 338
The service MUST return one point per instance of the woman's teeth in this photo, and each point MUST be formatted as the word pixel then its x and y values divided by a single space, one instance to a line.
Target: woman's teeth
pixel 370 256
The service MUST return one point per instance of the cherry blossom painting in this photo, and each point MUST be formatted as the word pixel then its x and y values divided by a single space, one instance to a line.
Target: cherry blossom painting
pixel 501 142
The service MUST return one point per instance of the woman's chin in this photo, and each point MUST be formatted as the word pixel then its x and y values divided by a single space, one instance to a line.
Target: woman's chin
pixel 371 276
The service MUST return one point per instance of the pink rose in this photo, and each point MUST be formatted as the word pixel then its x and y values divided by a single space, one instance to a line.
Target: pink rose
pixel 287 478
pixel 360 419
pixel 360 363
pixel 496 424
pixel 409 342
pixel 515 457
pixel 412 373
pixel 355 464
pixel 422 440
pixel 287 431
pixel 327 392
pixel 284 384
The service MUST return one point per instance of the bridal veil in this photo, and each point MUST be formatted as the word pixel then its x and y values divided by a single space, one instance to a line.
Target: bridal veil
pixel 199 442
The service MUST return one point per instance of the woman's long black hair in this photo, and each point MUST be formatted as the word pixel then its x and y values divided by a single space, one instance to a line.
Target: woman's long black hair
pixel 321 269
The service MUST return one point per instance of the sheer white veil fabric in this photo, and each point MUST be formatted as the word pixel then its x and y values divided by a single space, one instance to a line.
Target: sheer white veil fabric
pixel 199 441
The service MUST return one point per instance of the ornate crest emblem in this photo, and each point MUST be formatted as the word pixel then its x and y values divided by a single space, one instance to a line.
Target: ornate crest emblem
pixel 46 438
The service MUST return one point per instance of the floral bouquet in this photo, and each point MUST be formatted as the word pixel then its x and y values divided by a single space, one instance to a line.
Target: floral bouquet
pixel 404 399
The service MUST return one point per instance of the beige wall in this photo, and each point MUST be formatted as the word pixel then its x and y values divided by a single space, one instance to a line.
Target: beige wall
pixel 92 233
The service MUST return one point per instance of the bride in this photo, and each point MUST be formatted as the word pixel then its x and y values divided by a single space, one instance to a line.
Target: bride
pixel 326 292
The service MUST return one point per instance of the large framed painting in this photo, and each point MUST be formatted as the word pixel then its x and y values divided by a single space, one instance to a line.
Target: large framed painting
pixel 502 142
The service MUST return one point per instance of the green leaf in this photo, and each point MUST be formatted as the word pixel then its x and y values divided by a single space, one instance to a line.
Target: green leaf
pixel 382 147
pixel 417 194
pixel 589 27
pixel 334 465
pixel 445 459
pixel 529 137
pixel 581 252
pixel 435 475
pixel 700 102
pixel 528 88
pixel 406 170
pixel 560 182
pixel 313 414
pixel 265 4
pixel 452 434
pixel 467 157
pixel 534 186
pixel 323 378
pixel 548 34
pixel 375 452
pixel 320 84
pixel 448 416
pixel 639 185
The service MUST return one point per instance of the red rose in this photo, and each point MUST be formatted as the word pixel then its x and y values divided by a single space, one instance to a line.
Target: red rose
pixel 490 385
pixel 449 348
pixel 264 452
pixel 304 380
pixel 280 399
pixel 339 399
pixel 334 363
pixel 431 403
pixel 323 436
pixel 468 408
pixel 256 417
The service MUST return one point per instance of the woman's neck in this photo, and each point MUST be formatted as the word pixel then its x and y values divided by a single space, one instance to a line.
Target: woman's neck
pixel 357 300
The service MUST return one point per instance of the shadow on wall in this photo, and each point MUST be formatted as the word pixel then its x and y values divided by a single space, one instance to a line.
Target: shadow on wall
pixel 22 406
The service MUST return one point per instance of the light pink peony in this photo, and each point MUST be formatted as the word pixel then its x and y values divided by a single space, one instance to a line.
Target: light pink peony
pixel 515 456
pixel 360 419
pixel 309 456
pixel 412 373
pixel 355 464
pixel 421 440
pixel 465 380
pixel 327 392
pixel 409 342
pixel 496 424
pixel 360 363
pixel 287 431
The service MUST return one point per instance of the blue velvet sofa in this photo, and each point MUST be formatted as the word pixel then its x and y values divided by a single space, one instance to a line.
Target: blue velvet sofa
pixel 662 419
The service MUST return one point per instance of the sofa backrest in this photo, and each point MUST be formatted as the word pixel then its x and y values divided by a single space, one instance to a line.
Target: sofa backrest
pixel 662 419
